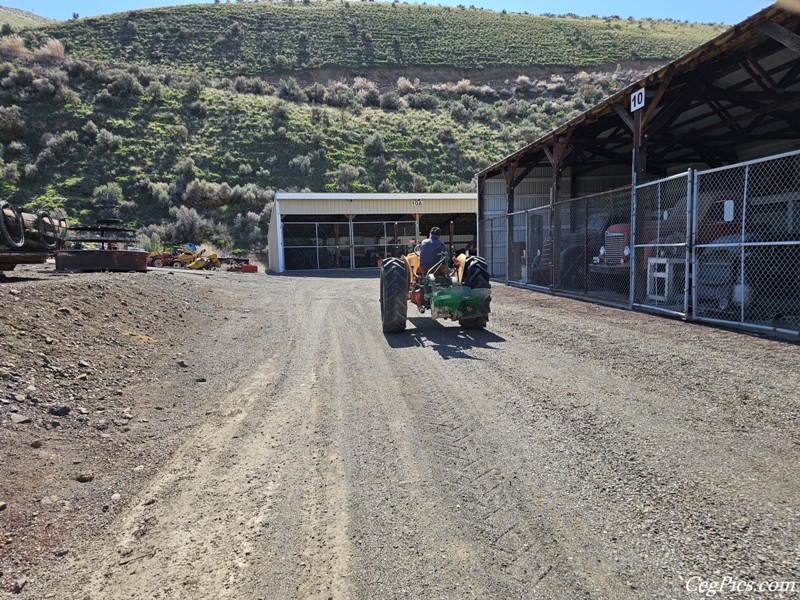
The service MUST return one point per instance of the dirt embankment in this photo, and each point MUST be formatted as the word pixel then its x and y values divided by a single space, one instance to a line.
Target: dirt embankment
pixel 568 451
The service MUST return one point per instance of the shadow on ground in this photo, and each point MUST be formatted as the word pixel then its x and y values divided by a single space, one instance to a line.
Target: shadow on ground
pixel 450 342
pixel 331 274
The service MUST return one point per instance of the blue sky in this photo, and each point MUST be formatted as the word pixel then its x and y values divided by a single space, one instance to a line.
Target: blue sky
pixel 704 11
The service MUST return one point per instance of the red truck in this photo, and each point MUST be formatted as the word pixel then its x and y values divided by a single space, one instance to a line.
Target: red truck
pixel 721 283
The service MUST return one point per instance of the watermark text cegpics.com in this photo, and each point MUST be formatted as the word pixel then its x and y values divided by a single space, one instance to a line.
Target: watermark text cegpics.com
pixel 728 585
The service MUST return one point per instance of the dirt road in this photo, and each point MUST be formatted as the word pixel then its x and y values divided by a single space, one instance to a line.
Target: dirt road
pixel 568 451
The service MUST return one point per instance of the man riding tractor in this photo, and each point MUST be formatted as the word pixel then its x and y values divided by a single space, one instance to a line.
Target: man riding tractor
pixel 431 251
pixel 456 289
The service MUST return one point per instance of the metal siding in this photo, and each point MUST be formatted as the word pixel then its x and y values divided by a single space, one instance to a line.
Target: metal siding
pixel 377 207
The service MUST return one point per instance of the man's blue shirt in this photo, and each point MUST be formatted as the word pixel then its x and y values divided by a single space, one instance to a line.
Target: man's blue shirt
pixel 431 251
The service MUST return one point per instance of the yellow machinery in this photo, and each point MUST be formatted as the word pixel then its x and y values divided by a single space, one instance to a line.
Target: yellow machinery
pixel 205 261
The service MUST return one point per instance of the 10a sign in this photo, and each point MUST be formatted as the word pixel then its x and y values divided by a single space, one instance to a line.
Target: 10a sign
pixel 637 100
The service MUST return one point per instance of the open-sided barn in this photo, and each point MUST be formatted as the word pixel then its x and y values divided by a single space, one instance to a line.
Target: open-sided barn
pixel 680 193
pixel 311 231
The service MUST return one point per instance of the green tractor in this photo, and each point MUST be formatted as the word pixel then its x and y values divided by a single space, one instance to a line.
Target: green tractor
pixel 459 291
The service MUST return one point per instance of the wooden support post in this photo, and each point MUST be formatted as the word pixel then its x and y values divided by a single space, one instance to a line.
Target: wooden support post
pixel 509 174
pixel 556 158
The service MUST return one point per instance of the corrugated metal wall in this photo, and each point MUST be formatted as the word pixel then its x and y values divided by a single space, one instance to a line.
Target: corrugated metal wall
pixel 378 207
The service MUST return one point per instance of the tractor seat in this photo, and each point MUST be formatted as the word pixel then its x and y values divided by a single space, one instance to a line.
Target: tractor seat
pixel 423 270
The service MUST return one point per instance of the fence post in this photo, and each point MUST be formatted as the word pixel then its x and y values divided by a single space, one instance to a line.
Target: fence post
pixel 688 237
pixel 695 200
pixel 632 263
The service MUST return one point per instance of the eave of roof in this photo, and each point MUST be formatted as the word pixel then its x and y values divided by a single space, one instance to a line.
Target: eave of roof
pixel 737 34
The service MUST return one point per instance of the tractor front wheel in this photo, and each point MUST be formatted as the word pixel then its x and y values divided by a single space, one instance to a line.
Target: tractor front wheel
pixel 476 276
pixel 394 295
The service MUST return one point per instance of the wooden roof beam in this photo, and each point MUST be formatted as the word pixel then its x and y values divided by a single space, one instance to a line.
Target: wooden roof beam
pixel 759 75
pixel 788 38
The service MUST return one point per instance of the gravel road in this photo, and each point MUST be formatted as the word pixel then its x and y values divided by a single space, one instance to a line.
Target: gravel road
pixel 567 451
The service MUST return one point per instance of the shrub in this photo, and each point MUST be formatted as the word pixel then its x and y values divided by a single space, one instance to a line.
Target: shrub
pixel 12 123
pixel 178 134
pixel 155 91
pixel 66 96
pixel 125 84
pixel 315 92
pixel 300 165
pixel 423 101
pixel 370 97
pixel 158 191
pixel 107 141
pixel 280 111
pixel 289 89
pixel 524 85
pixel 337 93
pixel 18 149
pixel 9 173
pixel 104 97
pixel 107 199
pixel 419 183
pixel 198 108
pixel 390 101
pixel 346 175
pixel 252 85
pixel 362 84
pixel 374 145
pixel 184 166
pixel 189 225
pixel 405 86
pixel 13 46
pixel 203 193
pixel 387 186
pixel 245 169
pixel 194 86
pixel 56 146
pixel 319 115
pixel 51 50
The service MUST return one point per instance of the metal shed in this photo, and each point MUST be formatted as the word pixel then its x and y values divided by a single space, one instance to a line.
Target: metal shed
pixel 315 231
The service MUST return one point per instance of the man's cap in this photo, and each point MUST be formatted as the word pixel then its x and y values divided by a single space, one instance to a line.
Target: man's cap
pixel 436 231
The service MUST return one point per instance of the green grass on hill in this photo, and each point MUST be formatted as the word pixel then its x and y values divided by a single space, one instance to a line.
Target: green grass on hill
pixel 256 38
pixel 19 19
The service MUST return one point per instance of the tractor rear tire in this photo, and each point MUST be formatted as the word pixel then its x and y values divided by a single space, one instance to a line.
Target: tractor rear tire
pixel 158 263
pixel 476 277
pixel 394 295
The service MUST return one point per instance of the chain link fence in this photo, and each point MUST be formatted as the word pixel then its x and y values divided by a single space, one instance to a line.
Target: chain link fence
pixel 747 244
pixel 721 245
pixel 591 246
pixel 662 253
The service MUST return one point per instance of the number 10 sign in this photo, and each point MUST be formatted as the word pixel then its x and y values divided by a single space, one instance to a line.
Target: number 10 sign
pixel 637 100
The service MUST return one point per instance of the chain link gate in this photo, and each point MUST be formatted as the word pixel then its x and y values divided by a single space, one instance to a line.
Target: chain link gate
pixel 747 244
pixel 660 270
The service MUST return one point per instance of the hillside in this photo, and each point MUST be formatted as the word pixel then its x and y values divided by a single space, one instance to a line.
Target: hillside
pixel 19 19
pixel 187 149
pixel 234 39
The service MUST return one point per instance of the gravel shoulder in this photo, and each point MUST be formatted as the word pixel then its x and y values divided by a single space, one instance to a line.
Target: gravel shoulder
pixel 568 451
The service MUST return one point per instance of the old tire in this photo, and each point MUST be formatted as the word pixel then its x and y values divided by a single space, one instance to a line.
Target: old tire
pixel 48 231
pixel 476 276
pixel 157 262
pixel 13 234
pixel 177 265
pixel 394 295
